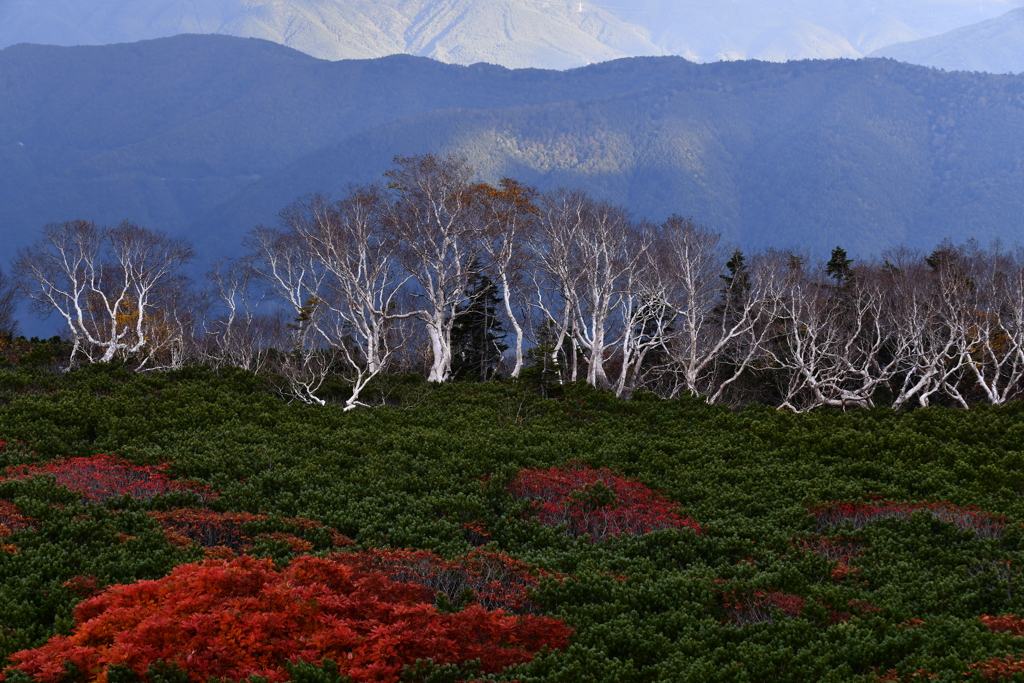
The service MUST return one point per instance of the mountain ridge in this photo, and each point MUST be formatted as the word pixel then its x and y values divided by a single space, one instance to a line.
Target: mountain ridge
pixel 866 153
pixel 992 46
pixel 515 33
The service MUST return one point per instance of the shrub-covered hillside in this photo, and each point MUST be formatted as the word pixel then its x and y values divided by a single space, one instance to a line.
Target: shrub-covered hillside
pixel 594 539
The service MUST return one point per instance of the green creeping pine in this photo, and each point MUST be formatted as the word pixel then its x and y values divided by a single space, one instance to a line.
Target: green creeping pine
pixel 647 608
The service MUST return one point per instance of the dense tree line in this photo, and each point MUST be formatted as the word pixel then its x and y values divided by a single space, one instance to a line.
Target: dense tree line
pixel 437 273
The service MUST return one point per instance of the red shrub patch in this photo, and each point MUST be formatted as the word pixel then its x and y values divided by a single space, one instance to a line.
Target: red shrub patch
pixel 1011 623
pixel 103 476
pixel 206 528
pixel 998 668
pixel 245 618
pixel 755 607
pixel 82 586
pixel 11 520
pixel 838 550
pixel 858 515
pixel 598 503
pixel 210 529
pixel 493 580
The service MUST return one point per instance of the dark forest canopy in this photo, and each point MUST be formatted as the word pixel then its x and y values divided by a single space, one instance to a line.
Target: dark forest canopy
pixel 435 273
pixel 206 136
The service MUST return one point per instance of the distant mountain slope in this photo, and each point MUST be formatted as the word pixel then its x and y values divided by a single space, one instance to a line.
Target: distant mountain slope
pixel 515 33
pixel 866 155
pixel 207 136
pixel 995 46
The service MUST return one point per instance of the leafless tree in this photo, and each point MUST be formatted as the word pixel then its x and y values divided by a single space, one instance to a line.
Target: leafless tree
pixel 360 295
pixel 610 250
pixel 926 310
pixel 281 262
pixel 587 256
pixel 718 322
pixel 240 335
pixel 441 241
pixel 557 274
pixel 832 338
pixel 509 215
pixel 989 327
pixel 115 288
pixel 645 312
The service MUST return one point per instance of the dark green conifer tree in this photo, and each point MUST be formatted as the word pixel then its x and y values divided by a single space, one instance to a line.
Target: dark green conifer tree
pixel 477 336
pixel 544 369
pixel 839 267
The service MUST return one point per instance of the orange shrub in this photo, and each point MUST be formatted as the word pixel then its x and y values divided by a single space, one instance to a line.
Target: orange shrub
pixel 244 617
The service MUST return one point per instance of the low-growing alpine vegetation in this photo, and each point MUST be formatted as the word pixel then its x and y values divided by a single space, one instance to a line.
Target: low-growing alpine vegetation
pixel 195 526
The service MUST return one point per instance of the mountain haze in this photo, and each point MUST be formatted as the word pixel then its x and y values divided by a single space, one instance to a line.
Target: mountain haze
pixel 994 46
pixel 207 136
pixel 555 34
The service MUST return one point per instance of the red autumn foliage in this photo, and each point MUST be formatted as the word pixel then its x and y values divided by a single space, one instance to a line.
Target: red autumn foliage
pixel 598 503
pixel 494 580
pixel 209 529
pixel 103 476
pixel 998 668
pixel 82 586
pixel 744 607
pixel 475 533
pixel 838 550
pixel 858 515
pixel 11 520
pixel 245 617
pixel 1010 623
pixel 893 676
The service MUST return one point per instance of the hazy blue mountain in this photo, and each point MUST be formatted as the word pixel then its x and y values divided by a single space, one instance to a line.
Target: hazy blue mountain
pixel 995 46
pixel 206 136
pixel 515 33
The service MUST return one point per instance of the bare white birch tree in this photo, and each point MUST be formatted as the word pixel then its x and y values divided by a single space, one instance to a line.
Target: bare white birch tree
pixel 360 293
pixel 990 326
pixel 510 218
pixel 113 287
pixel 240 336
pixel 556 268
pixel 431 215
pixel 924 301
pixel 281 261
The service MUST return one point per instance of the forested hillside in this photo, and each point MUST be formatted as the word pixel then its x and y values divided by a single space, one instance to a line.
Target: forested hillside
pixel 208 136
